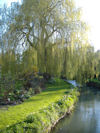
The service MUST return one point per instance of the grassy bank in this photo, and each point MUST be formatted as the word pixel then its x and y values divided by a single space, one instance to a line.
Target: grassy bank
pixel 40 112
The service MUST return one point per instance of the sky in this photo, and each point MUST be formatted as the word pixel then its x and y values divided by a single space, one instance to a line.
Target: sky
pixel 8 2
pixel 91 15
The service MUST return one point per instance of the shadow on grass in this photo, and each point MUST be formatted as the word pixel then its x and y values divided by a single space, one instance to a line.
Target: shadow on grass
pixel 57 87
pixel 33 100
pixel 46 95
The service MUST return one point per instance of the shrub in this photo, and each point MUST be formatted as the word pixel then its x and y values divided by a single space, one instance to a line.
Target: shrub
pixel 93 83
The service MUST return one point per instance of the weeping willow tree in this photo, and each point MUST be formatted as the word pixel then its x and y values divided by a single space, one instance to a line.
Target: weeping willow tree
pixel 97 64
pixel 40 23
pixel 49 35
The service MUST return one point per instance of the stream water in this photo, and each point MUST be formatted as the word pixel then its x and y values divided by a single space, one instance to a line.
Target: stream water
pixel 86 116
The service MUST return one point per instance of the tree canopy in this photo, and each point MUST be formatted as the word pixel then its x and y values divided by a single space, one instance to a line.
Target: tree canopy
pixel 48 35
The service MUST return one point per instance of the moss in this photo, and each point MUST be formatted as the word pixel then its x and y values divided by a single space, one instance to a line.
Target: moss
pixel 39 113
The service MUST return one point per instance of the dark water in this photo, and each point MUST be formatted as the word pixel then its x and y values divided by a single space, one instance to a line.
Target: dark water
pixel 85 118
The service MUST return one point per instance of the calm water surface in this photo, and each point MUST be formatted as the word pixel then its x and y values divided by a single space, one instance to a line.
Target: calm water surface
pixel 85 118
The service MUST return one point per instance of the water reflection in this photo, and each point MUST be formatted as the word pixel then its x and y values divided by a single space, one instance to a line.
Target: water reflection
pixel 85 118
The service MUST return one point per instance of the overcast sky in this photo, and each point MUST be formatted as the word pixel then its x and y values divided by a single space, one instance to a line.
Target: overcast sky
pixel 91 14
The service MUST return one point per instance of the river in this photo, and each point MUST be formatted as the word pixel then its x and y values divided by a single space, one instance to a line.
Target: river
pixel 86 116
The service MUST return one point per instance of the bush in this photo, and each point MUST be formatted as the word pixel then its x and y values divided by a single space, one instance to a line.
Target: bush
pixel 51 81
pixel 46 76
pixel 93 83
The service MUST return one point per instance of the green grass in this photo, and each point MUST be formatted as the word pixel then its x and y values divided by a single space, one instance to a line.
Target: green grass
pixel 18 113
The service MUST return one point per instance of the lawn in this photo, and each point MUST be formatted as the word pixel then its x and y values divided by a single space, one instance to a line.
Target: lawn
pixel 18 113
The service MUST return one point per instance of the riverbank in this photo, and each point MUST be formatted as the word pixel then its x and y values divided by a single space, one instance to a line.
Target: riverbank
pixel 94 83
pixel 41 112
pixel 86 116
